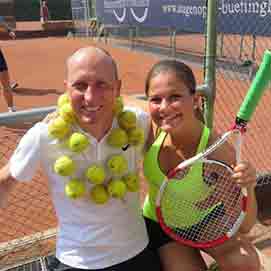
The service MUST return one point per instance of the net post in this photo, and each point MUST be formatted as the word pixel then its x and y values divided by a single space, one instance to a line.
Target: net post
pixel 241 47
pixel 254 37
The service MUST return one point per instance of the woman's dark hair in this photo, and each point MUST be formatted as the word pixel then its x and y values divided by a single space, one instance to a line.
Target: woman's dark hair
pixel 182 71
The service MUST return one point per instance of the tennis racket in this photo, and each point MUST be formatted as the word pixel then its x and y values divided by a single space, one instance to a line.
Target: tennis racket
pixel 198 203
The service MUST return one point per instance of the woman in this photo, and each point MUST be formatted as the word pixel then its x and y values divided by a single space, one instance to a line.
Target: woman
pixel 179 133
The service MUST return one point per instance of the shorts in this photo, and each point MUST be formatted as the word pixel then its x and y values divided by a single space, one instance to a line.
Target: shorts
pixel 3 63
pixel 146 260
pixel 157 236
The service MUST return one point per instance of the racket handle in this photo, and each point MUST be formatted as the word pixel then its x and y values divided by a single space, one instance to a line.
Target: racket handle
pixel 256 89
pixel 238 152
pixel 238 148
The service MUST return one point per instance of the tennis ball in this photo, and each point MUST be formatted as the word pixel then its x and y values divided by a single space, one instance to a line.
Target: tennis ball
pixel 64 166
pixel 95 174
pixel 136 136
pixel 75 189
pixel 117 188
pixel 117 138
pixel 58 128
pixel 117 164
pixel 63 99
pixel 132 182
pixel 98 194
pixel 118 106
pixel 78 142
pixel 127 120
pixel 67 113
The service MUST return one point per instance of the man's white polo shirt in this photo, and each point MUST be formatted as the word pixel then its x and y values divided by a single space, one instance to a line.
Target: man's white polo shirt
pixel 90 236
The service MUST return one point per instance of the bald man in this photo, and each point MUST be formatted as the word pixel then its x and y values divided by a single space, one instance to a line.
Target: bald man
pixel 110 236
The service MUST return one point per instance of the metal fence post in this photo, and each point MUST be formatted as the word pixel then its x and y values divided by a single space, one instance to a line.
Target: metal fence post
pixel 173 43
pixel 210 67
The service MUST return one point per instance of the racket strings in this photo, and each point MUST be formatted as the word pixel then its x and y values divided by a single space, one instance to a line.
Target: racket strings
pixel 206 209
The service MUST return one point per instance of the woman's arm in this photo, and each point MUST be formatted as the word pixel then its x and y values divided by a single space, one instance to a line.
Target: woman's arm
pixel 245 176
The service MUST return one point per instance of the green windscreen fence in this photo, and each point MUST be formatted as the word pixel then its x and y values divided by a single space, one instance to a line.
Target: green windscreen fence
pixel 29 10
pixel 7 11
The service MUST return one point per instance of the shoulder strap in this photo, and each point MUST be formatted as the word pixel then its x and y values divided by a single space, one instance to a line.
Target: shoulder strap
pixel 204 139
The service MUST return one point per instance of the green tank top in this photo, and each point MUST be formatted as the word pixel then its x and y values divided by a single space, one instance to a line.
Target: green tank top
pixel 155 177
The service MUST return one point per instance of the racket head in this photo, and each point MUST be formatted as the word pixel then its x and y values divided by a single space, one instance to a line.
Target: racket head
pixel 204 210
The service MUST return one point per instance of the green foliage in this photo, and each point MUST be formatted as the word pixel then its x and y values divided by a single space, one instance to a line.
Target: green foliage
pixel 29 10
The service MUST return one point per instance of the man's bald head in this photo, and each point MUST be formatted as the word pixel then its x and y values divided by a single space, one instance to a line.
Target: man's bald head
pixel 92 54
pixel 93 86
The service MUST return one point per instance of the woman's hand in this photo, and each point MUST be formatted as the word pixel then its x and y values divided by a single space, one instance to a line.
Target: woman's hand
pixel 245 175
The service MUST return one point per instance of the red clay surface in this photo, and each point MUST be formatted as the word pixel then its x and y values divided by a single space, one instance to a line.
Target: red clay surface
pixel 38 65
pixel 28 26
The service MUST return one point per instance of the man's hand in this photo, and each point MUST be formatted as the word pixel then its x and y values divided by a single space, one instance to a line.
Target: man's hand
pixel 50 117
pixel 7 183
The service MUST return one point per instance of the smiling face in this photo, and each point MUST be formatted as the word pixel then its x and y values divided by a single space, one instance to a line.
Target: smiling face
pixel 93 86
pixel 171 103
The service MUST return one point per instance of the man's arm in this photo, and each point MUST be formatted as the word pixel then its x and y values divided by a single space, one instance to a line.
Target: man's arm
pixel 7 182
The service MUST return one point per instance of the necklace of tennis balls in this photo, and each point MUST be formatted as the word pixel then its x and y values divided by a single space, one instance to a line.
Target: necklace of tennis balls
pixel 102 189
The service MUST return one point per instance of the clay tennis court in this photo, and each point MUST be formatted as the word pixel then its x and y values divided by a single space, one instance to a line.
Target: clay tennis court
pixel 38 65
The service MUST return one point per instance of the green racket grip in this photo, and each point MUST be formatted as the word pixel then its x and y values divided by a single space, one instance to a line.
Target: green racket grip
pixel 256 90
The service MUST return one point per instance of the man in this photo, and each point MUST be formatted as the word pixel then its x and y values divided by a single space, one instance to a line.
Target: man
pixel 44 12
pixel 109 236
pixel 4 73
